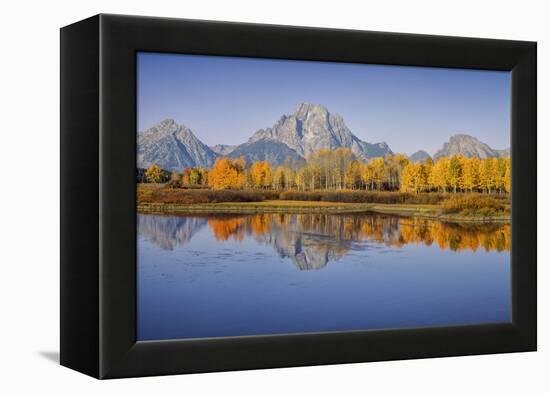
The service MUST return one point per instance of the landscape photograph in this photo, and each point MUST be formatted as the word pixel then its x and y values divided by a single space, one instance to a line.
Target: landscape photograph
pixel 281 196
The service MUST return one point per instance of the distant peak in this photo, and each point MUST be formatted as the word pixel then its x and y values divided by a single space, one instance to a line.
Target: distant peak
pixel 305 108
pixel 461 136
pixel 162 127
pixel 168 122
pixel 419 156
pixel 169 126
pixel 466 145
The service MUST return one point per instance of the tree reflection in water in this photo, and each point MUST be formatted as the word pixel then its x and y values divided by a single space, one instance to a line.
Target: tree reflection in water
pixel 312 240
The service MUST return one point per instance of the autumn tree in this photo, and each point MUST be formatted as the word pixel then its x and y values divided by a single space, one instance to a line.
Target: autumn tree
pixel 414 178
pixel 290 177
pixel 426 171
pixel 395 164
pixel 439 177
pixel 203 175
pixel 340 169
pixel 470 173
pixel 487 175
pixel 239 164
pixel 352 175
pixel 279 182
pixel 225 174
pixel 260 172
pixel 454 174
pixel 343 159
pixel 378 171
pixel 175 177
pixel 500 173
pixel 507 183
pixel 154 174
pixel 407 178
pixel 367 176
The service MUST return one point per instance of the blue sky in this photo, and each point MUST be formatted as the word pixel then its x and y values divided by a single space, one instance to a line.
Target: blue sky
pixel 226 99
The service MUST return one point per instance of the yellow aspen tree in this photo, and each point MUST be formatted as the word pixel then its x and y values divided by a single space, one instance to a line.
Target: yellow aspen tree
pixel 414 177
pixel 379 168
pixel 454 173
pixel 279 178
pixel 301 178
pixel 486 176
pixel 407 178
pixel 367 176
pixel 500 173
pixel 224 175
pixel 465 176
pixel 395 164
pixel 507 176
pixel 439 176
pixel 267 174
pixel 471 173
pixel 260 172
pixel 153 174
pixel 426 172
pixel 290 178
pixel 352 175
pixel 203 176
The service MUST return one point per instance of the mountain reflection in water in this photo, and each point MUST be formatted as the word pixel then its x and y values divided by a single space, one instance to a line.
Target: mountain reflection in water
pixel 313 240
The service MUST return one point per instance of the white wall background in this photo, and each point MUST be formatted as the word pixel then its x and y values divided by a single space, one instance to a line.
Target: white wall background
pixel 29 194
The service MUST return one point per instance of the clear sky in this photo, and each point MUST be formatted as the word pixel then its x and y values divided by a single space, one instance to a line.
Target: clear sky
pixel 226 99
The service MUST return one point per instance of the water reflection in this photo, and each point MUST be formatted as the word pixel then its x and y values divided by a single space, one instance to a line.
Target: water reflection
pixel 169 232
pixel 312 240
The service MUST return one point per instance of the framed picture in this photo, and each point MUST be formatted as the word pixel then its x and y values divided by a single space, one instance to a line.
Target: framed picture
pixel 239 196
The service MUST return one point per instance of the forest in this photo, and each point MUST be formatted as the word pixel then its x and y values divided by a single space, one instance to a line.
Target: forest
pixel 340 170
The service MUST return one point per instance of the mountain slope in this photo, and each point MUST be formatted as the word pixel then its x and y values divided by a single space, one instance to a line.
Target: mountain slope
pixel 504 152
pixel 223 149
pixel 274 152
pixel 468 146
pixel 172 147
pixel 419 156
pixel 311 128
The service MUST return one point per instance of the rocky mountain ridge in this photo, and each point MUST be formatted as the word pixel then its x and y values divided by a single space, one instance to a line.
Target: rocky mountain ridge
pixel 311 127
pixel 419 156
pixel 172 147
pixel 468 146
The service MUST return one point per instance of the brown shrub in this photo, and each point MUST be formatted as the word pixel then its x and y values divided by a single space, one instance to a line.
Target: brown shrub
pixel 476 204
pixel 364 197
pixel 170 195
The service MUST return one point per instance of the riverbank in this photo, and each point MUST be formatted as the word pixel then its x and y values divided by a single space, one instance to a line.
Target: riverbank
pixel 430 211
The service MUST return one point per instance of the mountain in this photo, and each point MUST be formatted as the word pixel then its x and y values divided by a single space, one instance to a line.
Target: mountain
pixel 274 152
pixel 223 149
pixel 504 152
pixel 419 156
pixel 468 146
pixel 311 128
pixel 172 147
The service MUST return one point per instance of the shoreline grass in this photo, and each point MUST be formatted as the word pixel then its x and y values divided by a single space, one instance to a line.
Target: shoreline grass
pixel 429 211
pixel 463 207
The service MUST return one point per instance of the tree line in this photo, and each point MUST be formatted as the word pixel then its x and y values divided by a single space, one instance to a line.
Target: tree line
pixel 339 169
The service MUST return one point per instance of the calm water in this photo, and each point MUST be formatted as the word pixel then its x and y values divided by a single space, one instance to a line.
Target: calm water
pixel 235 275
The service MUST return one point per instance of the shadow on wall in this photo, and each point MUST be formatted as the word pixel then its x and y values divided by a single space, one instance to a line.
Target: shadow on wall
pixel 52 356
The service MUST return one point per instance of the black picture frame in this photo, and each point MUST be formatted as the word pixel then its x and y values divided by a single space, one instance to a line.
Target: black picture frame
pixel 98 203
